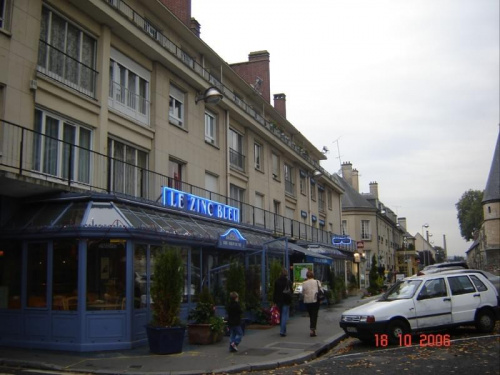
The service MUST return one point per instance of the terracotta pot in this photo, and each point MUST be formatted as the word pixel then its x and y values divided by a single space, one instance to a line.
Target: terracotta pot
pixel 201 334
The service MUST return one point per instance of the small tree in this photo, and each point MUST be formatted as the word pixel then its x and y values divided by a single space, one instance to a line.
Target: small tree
pixel 470 213
pixel 253 294
pixel 375 280
pixel 235 282
pixel 166 289
pixel 274 273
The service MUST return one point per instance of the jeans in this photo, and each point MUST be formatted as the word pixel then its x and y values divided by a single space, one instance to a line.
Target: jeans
pixel 284 315
pixel 235 334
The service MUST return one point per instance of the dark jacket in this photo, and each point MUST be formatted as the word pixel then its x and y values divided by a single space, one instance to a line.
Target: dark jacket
pixel 279 286
pixel 234 314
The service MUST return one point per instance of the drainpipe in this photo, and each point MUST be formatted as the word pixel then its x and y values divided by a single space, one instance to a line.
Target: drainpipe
pixel 228 190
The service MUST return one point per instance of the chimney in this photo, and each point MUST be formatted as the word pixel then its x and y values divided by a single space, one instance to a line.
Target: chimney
pixel 347 172
pixel 195 27
pixel 280 104
pixel 402 222
pixel 374 189
pixel 181 9
pixel 256 73
pixel 355 180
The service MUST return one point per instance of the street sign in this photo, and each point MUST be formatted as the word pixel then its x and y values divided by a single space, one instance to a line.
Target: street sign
pixel 360 245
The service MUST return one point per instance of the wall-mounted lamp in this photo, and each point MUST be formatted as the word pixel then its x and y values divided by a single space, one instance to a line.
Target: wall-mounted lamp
pixel 212 95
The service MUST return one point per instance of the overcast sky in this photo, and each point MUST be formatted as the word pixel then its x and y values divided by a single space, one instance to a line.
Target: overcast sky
pixel 407 91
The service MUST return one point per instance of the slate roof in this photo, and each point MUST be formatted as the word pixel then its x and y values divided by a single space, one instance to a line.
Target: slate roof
pixel 351 199
pixel 492 190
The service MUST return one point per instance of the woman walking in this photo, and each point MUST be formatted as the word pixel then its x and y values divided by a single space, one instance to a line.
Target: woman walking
pixel 283 299
pixel 310 289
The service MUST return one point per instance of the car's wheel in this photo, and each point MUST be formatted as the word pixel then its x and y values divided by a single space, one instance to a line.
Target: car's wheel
pixel 485 321
pixel 397 328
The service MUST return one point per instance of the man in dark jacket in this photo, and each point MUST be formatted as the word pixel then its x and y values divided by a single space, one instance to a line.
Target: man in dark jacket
pixel 283 298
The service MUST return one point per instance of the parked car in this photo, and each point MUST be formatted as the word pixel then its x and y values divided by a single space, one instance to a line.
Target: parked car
pixel 426 303
pixel 494 279
pixel 439 267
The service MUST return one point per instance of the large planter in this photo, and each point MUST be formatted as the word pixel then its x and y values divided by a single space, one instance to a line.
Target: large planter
pixel 201 334
pixel 165 340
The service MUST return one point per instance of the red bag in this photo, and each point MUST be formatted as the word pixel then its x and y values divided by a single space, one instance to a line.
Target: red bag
pixel 275 315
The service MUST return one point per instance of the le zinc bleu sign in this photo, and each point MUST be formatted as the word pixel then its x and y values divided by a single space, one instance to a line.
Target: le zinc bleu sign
pixel 193 203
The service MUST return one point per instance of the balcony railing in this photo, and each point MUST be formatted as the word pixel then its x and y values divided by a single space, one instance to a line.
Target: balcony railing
pixel 128 102
pixel 236 159
pixel 65 165
pixel 63 68
pixel 128 12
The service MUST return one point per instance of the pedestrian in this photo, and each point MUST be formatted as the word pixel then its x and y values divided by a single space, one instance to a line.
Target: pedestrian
pixel 234 321
pixel 282 297
pixel 310 289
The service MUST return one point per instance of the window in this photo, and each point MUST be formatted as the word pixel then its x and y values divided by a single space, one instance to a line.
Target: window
pixel 106 278
pixel 321 198
pixel 176 106
pixel 128 165
pixel 289 185
pixel 276 166
pixel 461 285
pixel 65 275
pixel 313 190
pixel 175 173
pixel 61 148
pixel 66 53
pixel 210 128
pixel 478 283
pixel 211 184
pixel 259 209
pixel 329 196
pixel 236 195
pixel 365 230
pixel 5 6
pixel 36 288
pixel 151 29
pixel 236 157
pixel 129 87
pixel 257 156
pixel 302 182
pixel 433 289
pixel 344 227
pixel 10 274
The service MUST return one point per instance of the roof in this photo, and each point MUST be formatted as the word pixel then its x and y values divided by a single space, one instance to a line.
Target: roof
pixel 352 199
pixel 492 190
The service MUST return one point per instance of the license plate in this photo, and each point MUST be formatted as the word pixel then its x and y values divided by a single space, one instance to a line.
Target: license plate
pixel 352 329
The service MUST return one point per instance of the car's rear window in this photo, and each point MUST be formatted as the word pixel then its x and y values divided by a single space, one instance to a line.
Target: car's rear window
pixel 480 286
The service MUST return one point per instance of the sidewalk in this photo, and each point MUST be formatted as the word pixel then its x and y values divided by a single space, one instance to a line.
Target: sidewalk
pixel 260 349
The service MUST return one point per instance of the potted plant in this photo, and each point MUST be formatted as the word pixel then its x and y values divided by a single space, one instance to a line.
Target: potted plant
pixel 165 332
pixel 205 326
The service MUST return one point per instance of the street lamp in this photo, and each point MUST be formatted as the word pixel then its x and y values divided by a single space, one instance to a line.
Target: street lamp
pixel 423 241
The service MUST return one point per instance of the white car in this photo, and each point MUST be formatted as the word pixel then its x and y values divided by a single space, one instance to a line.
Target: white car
pixel 426 303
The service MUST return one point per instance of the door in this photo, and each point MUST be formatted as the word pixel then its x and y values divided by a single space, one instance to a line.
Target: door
pixel 433 304
pixel 465 299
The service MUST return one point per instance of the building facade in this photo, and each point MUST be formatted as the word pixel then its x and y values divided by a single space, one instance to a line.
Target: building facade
pixel 123 133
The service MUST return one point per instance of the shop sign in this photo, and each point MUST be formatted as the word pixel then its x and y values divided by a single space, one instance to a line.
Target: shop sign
pixel 232 239
pixel 193 203
pixel 341 240
pixel 311 258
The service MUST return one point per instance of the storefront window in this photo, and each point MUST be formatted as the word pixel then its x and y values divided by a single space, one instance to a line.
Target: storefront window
pixel 36 287
pixel 65 275
pixel 140 276
pixel 10 275
pixel 106 274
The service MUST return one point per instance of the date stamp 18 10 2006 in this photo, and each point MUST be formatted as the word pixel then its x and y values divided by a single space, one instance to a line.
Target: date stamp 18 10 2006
pixel 424 340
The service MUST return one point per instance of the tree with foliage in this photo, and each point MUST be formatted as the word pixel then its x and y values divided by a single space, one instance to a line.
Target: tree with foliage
pixel 375 279
pixel 235 282
pixel 275 268
pixel 470 213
